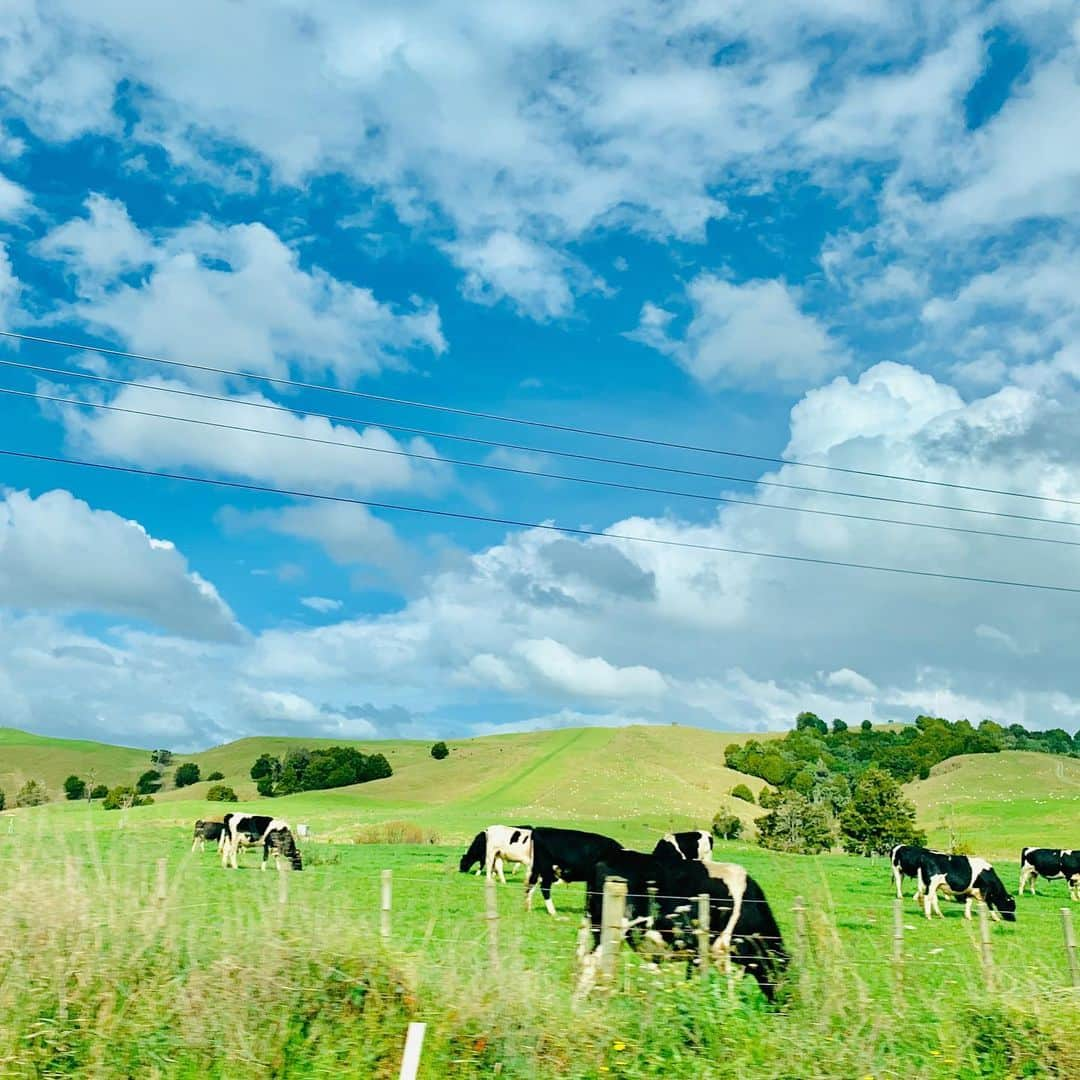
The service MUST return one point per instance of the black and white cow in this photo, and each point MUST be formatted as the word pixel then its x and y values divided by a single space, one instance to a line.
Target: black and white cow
pixel 906 860
pixel 207 830
pixel 744 932
pixel 697 844
pixel 497 844
pixel 967 877
pixel 564 855
pixel 250 830
pixel 1050 863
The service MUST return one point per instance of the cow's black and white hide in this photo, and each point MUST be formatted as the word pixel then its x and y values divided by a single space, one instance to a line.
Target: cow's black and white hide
pixel 564 855
pixel 497 844
pixel 250 830
pixel 966 878
pixel 697 844
pixel 906 860
pixel 207 830
pixel 1050 863
pixel 741 930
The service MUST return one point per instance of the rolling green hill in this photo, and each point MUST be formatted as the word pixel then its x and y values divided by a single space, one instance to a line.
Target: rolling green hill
pixel 631 781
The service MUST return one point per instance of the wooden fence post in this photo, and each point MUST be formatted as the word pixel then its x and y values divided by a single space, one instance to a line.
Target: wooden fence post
pixel 898 940
pixel 611 926
pixel 385 900
pixel 987 954
pixel 161 890
pixel 1070 945
pixel 491 905
pixel 414 1045
pixel 703 934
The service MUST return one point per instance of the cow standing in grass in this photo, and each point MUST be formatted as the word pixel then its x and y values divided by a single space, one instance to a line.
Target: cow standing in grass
pixel 665 919
pixel 1050 863
pixel 906 860
pixel 564 855
pixel 250 830
pixel 497 844
pixel 214 831
pixel 965 878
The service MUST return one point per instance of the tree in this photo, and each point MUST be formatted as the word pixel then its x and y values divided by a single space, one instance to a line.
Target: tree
pixel 878 816
pixel 161 757
pixel 265 786
pixel 149 782
pixel 838 726
pixel 99 791
pixel 187 774
pixel 32 793
pixel 216 776
pixel 266 765
pixel 440 751
pixel 808 721
pixel 796 825
pixel 220 793
pixel 769 798
pixel 124 795
pixel 866 726
pixel 741 791
pixel 726 826
pixel 74 788
pixel 3 799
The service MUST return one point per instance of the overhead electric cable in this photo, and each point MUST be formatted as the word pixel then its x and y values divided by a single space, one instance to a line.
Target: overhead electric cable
pixel 490 466
pixel 458 515
pixel 548 425
pixel 334 417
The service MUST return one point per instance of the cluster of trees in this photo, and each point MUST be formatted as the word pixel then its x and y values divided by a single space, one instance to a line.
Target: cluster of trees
pixel 874 818
pixel 822 762
pixel 315 770
pixel 440 750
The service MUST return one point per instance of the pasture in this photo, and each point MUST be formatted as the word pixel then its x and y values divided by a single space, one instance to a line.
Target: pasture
pixel 215 976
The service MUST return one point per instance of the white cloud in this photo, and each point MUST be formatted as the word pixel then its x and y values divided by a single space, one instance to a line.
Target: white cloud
pixel 14 199
pixel 322 604
pixel 846 679
pixel 237 287
pixel 591 676
pixel 752 335
pixel 58 554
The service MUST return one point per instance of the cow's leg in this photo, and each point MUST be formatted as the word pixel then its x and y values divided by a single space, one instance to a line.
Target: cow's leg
pixel 968 901
pixel 499 868
pixel 897 878
pixel 928 899
pixel 545 890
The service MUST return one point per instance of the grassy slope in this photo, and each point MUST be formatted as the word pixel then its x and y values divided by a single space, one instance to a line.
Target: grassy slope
pixel 24 756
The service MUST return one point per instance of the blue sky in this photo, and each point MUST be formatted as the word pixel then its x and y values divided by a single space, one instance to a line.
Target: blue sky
pixel 843 233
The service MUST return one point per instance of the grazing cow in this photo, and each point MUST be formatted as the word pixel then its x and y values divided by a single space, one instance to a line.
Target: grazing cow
pixel 1050 863
pixel 666 920
pixel 207 830
pixel 697 844
pixel 496 844
pixel 564 855
pixel 906 860
pixel 970 878
pixel 250 830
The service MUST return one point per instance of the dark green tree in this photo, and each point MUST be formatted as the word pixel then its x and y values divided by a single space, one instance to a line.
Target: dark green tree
pixel 74 788
pixel 186 774
pixel 265 765
pixel 878 816
pixel 149 782
pixel 808 721
pixel 3 799
pixel 741 791
pixel 216 776
pixel 866 726
pixel 440 751
pixel 220 793
pixel 769 798
pixel 796 825
pixel 838 726
pixel 161 757
pixel 726 826
pixel 99 791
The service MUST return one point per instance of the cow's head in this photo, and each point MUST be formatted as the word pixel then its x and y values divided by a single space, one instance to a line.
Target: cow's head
pixel 996 896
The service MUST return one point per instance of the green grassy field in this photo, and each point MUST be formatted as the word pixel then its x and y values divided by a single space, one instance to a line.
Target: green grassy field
pixel 100 975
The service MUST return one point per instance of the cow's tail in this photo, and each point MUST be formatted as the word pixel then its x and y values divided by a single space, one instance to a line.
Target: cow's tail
pixel 477 852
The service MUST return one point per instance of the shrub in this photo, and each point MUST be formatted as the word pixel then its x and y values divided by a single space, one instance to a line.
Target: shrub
pixel 216 776
pixel 123 796
pixel 100 791
pixel 221 793
pixel 265 786
pixel 3 800
pixel 796 825
pixel 769 799
pixel 726 826
pixel 741 791
pixel 396 832
pixel 32 793
pixel 187 774
pixel 440 750
pixel 74 788
pixel 149 782
pixel 317 770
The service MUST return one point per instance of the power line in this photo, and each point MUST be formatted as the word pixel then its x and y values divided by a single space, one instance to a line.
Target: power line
pixel 616 485
pixel 640 440
pixel 567 530
pixel 592 458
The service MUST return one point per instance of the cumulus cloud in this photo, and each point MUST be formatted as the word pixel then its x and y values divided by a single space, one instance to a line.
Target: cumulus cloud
pixel 237 286
pixel 322 604
pixel 59 554
pixel 753 335
pixel 14 199
pixel 590 676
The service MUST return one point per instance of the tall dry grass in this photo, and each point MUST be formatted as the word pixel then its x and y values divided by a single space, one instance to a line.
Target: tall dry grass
pixel 103 977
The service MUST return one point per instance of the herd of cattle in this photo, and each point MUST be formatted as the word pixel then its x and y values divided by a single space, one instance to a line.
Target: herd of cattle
pixel 662 887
